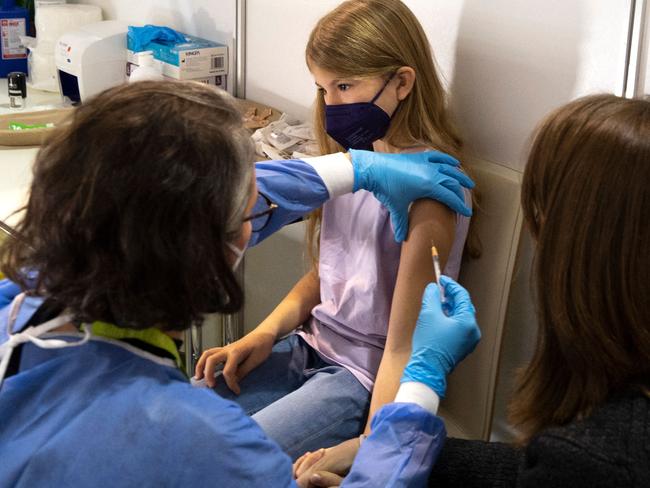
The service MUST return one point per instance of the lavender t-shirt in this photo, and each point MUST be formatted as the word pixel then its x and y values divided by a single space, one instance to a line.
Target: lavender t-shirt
pixel 359 260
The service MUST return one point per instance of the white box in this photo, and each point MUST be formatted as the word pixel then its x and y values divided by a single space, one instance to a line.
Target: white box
pixel 191 60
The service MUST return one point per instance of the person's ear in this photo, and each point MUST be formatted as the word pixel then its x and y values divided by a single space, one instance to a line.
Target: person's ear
pixel 405 80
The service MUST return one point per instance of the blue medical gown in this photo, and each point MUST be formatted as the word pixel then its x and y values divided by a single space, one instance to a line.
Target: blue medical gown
pixel 108 414
pixel 402 449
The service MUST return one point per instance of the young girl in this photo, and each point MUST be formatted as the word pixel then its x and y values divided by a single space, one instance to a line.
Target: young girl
pixel 355 311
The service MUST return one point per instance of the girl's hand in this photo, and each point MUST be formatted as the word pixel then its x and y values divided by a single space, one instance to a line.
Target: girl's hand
pixel 337 459
pixel 325 479
pixel 239 359
pixel 305 461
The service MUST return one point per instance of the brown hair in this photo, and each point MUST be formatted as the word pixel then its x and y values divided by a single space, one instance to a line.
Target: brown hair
pixel 586 200
pixel 369 38
pixel 132 204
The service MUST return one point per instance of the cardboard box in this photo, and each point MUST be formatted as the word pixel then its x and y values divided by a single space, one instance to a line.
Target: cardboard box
pixel 195 59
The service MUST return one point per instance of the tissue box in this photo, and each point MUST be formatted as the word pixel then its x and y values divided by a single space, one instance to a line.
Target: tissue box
pixel 196 59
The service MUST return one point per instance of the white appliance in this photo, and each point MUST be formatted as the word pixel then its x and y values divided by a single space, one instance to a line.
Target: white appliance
pixel 91 59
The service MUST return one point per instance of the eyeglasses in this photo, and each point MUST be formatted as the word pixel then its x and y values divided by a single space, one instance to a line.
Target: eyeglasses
pixel 261 213
pixel 10 231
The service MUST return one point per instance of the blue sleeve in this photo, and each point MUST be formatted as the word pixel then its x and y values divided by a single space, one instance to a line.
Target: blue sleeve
pixel 294 186
pixel 8 291
pixel 402 449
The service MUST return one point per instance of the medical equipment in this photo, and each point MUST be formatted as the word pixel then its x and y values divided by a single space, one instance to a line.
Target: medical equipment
pixel 91 59
pixel 53 19
pixel 442 338
pixel 17 87
pixel 436 269
pixel 7 229
pixel 285 138
pixel 14 22
pixel 191 59
pixel 147 68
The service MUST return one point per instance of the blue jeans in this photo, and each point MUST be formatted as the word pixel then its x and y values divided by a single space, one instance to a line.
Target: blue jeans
pixel 301 401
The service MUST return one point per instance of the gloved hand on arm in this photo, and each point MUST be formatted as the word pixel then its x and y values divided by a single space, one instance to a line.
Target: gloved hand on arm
pixel 397 180
pixel 444 335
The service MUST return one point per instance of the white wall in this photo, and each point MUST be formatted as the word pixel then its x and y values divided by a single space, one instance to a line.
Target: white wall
pixel 277 33
pixel 203 18
pixel 506 64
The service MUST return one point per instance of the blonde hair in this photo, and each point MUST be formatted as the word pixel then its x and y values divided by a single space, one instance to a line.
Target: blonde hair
pixel 370 38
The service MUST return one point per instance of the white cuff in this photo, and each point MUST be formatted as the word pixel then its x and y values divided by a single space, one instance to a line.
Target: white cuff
pixel 336 172
pixel 418 393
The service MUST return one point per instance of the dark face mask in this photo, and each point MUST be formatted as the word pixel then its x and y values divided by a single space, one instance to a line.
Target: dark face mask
pixel 357 125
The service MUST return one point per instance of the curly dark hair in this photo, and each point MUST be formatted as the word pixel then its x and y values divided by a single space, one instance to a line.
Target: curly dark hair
pixel 132 204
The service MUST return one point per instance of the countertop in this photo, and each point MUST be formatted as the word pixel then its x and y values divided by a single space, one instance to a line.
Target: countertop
pixel 16 161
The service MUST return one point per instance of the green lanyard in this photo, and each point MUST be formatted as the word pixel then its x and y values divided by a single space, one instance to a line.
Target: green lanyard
pixel 152 336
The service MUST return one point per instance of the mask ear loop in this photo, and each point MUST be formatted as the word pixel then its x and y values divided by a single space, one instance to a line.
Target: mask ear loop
pixel 383 87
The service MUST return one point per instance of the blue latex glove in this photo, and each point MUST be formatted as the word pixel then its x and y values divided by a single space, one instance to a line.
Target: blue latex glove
pixel 396 180
pixel 8 291
pixel 142 36
pixel 442 339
